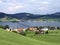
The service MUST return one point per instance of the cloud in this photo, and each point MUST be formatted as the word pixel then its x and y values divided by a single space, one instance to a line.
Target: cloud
pixel 32 6
pixel 45 2
pixel 0 1
pixel 14 8
pixel 10 7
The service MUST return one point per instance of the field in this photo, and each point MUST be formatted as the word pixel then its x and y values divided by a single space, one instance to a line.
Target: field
pixel 10 38
pixel 52 37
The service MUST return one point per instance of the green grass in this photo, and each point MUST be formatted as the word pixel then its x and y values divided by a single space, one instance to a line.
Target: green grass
pixel 52 37
pixel 10 38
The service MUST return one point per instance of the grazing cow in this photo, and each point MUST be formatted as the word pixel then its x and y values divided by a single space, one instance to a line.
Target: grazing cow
pixel 42 31
pixel 39 32
pixel 45 30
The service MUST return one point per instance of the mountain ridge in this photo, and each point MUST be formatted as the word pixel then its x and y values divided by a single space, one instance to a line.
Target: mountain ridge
pixel 29 15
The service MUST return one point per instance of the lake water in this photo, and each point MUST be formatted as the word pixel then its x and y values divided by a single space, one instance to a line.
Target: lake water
pixel 29 24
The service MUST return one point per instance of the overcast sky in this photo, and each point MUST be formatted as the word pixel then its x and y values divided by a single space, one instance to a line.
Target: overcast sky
pixel 30 6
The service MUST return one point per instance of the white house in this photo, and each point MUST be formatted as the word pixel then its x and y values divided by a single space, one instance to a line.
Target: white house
pixel 44 29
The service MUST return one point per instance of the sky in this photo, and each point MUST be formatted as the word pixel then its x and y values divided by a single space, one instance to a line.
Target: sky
pixel 30 6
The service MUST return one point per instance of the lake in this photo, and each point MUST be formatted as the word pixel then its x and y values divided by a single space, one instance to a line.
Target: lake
pixel 29 24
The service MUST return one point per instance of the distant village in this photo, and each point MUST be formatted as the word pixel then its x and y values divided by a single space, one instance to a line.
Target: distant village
pixel 36 29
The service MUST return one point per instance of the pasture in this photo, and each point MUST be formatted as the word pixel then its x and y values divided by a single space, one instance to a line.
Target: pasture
pixel 10 38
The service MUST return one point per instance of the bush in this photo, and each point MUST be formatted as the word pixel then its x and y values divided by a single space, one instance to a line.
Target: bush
pixel 23 33
pixel 46 32
pixel 58 28
pixel 37 33
pixel 30 33
pixel 1 26
pixel 14 31
pixel 6 26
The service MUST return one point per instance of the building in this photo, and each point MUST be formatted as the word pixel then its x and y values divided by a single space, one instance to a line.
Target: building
pixel 32 29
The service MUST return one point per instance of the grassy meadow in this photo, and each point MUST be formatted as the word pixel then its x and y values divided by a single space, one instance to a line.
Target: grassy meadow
pixel 52 37
pixel 10 38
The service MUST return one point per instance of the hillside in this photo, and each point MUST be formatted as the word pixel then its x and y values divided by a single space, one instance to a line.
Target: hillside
pixel 9 19
pixel 10 38
pixel 26 16
pixel 52 37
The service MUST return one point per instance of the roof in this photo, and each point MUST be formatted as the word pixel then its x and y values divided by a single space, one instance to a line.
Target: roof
pixel 20 29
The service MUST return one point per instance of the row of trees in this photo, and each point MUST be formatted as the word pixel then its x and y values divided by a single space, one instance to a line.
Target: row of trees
pixel 49 27
pixel 4 27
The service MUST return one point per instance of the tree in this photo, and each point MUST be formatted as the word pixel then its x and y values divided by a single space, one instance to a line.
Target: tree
pixel 58 28
pixel 6 26
pixel 1 26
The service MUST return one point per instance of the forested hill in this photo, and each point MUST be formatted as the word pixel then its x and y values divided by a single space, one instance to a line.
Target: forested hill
pixel 29 15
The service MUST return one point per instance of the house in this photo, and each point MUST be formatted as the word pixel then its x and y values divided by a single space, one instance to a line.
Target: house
pixel 18 30
pixel 8 29
pixel 15 29
pixel 32 29
pixel 21 29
